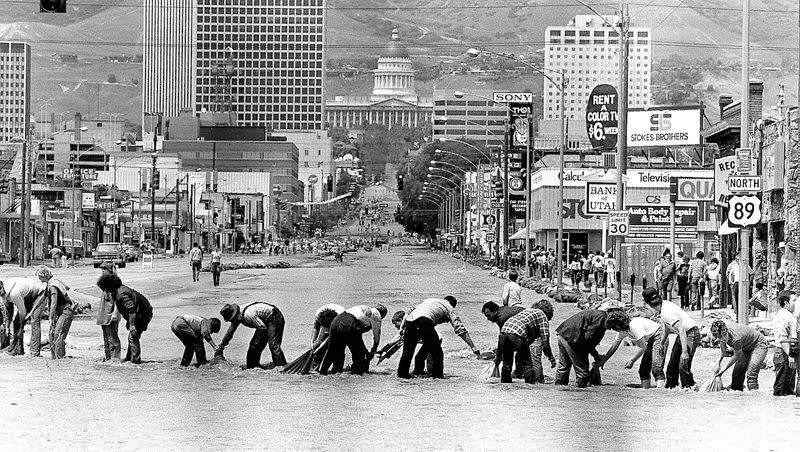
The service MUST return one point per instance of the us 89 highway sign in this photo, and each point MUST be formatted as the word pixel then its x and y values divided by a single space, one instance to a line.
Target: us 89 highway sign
pixel 744 210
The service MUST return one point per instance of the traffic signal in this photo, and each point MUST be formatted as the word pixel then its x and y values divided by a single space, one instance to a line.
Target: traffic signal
pixel 400 182
pixel 3 185
pixel 156 182
pixel 52 6
pixel 329 183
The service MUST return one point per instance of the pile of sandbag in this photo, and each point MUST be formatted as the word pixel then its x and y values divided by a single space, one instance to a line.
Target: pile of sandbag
pixel 248 265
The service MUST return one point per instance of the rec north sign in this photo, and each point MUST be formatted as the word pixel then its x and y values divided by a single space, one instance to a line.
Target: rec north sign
pixel 520 98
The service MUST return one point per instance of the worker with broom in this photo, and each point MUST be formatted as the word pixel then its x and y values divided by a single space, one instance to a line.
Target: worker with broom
pixel 642 332
pixel 516 336
pixel 578 337
pixel 676 321
pixel 749 351
pixel 192 330
pixel 322 322
pixel 268 322
pixel 345 332
pixel 420 324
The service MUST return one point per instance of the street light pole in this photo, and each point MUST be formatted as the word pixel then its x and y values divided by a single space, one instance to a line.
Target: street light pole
pixel 622 135
pixel 744 142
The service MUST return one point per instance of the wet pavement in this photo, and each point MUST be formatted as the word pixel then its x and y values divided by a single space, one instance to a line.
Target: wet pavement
pixel 83 403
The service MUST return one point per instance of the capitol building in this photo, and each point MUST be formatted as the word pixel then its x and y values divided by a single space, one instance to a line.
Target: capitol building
pixel 394 100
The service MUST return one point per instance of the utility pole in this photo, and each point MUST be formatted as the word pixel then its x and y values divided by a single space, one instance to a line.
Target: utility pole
pixel 622 135
pixel 506 201
pixel 744 142
pixel 561 149
pixel 528 156
pixel 24 218
pixel 153 196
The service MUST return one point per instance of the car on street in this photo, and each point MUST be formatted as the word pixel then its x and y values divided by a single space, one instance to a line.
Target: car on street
pixel 109 251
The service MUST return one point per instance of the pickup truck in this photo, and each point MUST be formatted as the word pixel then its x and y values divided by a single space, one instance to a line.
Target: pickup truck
pixel 109 251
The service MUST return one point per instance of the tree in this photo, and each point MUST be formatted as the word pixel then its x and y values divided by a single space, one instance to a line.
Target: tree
pixel 112 78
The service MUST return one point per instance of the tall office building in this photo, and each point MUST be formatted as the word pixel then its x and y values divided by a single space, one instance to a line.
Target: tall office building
pixel 263 60
pixel 15 90
pixel 587 50
pixel 474 117
pixel 169 56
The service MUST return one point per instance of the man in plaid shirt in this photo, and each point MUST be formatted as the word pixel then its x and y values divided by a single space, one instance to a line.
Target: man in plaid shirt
pixel 516 336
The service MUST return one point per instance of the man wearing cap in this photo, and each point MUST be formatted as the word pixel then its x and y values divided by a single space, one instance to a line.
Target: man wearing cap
pixel 192 330
pixel 345 332
pixel 676 321
pixel 420 324
pixel 28 296
pixel 516 336
pixel 578 337
pixel 268 322
pixel 60 309
pixel 134 307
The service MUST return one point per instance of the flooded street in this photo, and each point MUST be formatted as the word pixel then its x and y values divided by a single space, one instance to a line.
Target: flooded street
pixel 92 405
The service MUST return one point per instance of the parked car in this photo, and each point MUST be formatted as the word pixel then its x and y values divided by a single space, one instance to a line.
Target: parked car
pixel 66 245
pixel 132 253
pixel 4 257
pixel 109 251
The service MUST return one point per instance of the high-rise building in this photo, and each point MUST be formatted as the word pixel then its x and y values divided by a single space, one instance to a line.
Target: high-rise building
pixel 169 56
pixel 263 60
pixel 587 50
pixel 15 90
pixel 474 117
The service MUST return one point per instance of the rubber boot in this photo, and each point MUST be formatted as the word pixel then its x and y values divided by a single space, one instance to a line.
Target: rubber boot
pixel 646 384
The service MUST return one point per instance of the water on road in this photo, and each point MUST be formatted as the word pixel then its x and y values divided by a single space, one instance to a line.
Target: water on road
pixel 83 403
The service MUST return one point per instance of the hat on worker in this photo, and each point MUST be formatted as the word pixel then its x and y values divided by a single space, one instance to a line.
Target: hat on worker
pixel 650 295
pixel 229 311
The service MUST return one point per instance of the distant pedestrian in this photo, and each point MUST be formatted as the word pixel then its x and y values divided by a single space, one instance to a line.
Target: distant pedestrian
pixel 196 261
pixel 192 330
pixel 512 292
pixel 713 282
pixel 666 275
pixel 55 254
pixel 598 266
pixel 697 274
pixel 420 324
pixel 60 309
pixel 216 265
pixel 749 351
pixel 134 307
pixel 268 323
pixel 611 270
pixel 578 337
pixel 784 328
pixel 682 273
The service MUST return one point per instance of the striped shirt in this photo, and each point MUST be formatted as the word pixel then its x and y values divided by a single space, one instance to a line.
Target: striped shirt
pixel 438 310
pixel 256 315
pixel 530 324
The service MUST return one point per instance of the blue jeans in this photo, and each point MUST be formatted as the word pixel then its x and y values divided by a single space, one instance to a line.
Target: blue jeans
pixel 60 322
pixel 748 366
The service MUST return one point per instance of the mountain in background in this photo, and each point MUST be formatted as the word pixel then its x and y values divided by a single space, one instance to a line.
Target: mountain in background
pixel 432 29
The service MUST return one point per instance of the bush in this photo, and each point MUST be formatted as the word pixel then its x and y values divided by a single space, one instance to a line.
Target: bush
pixel 112 78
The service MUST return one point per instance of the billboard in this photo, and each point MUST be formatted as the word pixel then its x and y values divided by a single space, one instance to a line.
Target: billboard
pixel 664 126
pixel 602 109
pixel 653 222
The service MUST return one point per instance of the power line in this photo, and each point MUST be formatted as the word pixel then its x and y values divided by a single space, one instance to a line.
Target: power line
pixel 440 7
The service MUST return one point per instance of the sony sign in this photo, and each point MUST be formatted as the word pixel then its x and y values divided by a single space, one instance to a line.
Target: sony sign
pixel 521 98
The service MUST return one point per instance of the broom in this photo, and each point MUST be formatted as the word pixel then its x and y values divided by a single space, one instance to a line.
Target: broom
pixel 594 375
pixel 302 364
pixel 390 349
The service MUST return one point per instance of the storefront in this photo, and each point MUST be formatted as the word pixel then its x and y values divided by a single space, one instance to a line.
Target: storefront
pixel 647 195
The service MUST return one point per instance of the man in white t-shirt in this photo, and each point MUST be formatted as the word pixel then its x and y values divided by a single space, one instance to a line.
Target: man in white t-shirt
pixel 512 292
pixel 642 332
pixel 676 321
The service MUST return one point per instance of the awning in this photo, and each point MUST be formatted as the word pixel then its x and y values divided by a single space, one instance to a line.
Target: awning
pixel 520 235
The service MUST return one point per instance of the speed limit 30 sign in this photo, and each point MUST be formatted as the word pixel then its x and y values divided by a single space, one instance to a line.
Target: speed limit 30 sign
pixel 618 222
pixel 744 210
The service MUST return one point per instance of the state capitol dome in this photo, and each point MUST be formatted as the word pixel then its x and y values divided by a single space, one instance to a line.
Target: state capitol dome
pixel 394 77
